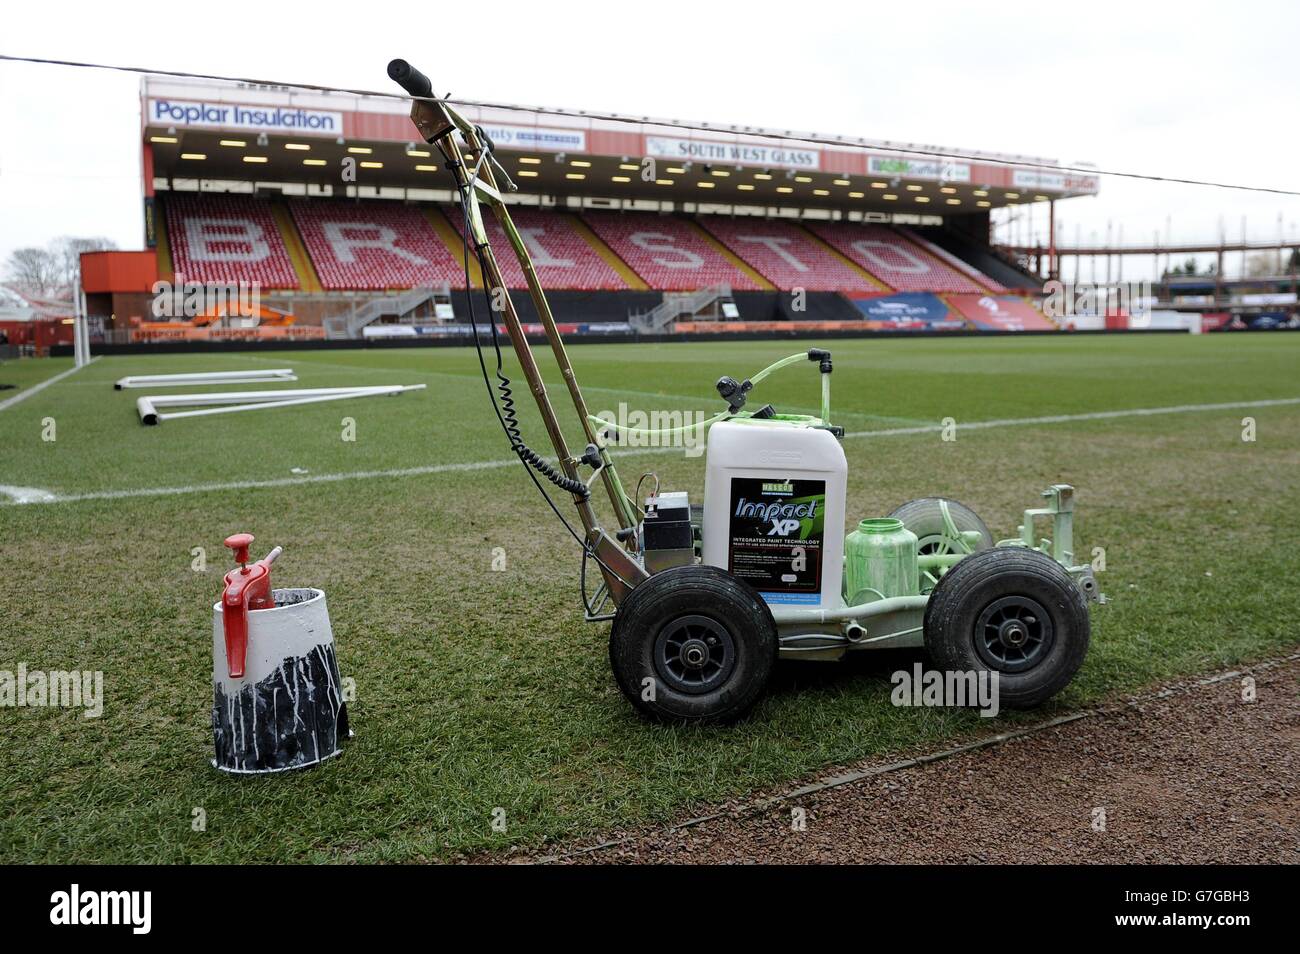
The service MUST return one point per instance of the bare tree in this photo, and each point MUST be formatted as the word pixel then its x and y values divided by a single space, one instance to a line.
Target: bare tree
pixel 34 271
pixel 68 249
pixel 52 271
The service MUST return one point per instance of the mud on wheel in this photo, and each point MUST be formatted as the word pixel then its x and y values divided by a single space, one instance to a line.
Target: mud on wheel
pixel 693 644
pixel 1013 611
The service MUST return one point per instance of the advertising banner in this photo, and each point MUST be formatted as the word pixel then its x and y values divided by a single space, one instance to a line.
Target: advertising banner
pixel 1001 313
pixel 272 119
pixel 537 137
pixel 1053 181
pixel 732 153
pixel 905 309
pixel 919 168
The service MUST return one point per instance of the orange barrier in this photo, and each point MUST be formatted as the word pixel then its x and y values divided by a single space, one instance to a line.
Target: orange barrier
pixel 728 327
pixel 160 331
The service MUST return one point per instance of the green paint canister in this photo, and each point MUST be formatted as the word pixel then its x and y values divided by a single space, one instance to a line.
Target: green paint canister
pixel 880 562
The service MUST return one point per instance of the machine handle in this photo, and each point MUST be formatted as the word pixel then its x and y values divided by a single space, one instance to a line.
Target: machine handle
pixel 409 78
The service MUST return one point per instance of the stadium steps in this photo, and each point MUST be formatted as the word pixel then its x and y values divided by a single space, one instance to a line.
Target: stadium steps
pixel 732 258
pixel 610 257
pixel 441 224
pixel 674 306
pixel 308 280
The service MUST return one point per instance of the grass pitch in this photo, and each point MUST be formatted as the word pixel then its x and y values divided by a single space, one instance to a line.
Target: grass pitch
pixel 480 690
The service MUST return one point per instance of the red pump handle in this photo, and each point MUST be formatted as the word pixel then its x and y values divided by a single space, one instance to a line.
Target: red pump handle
pixel 240 542
pixel 247 588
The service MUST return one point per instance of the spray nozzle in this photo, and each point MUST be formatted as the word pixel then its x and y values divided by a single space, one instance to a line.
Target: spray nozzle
pixel 733 391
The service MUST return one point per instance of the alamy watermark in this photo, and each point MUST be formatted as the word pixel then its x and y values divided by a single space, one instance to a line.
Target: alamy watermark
pixel 960 688
pixel 637 428
pixel 133 909
pixel 1065 300
pixel 57 688
pixel 187 299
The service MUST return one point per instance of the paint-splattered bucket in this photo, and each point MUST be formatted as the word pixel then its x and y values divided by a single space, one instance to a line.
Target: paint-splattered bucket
pixel 287 710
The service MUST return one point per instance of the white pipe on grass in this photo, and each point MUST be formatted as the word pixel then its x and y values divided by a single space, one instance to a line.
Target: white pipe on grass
pixel 205 377
pixel 230 402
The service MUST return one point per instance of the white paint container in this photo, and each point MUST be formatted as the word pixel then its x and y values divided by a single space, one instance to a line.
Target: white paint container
pixel 774 498
pixel 287 710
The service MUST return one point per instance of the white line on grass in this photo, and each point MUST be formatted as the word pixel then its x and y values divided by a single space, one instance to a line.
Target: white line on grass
pixel 40 386
pixel 27 494
pixel 1071 418
pixel 495 464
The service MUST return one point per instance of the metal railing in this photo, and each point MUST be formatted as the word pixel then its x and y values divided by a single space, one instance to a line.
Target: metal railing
pixel 674 306
pixel 390 306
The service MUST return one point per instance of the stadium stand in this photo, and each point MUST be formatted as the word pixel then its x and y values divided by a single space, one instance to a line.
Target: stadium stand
pixel 374 246
pixel 668 253
pixel 979 255
pixel 899 263
pixel 562 256
pixel 385 246
pixel 786 255
pixel 944 255
pixel 226 238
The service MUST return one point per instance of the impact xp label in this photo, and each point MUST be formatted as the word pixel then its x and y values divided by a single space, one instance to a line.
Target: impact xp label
pixel 776 535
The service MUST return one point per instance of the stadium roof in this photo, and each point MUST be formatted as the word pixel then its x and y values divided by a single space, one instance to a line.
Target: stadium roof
pixel 21 306
pixel 212 131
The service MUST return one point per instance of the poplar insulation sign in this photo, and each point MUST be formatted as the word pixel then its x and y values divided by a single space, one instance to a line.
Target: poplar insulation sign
pixel 776 537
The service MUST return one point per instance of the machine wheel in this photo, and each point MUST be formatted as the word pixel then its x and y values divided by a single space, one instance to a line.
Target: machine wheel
pixel 1014 611
pixel 925 518
pixel 693 644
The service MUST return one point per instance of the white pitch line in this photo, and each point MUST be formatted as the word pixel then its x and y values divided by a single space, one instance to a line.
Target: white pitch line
pixel 632 451
pixel 41 386
pixel 24 495
pixel 275 482
pixel 1071 418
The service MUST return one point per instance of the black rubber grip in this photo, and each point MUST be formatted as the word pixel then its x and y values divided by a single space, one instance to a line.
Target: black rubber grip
pixel 409 78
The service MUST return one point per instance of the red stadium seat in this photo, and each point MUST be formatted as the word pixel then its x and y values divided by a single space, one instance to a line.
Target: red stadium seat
pixel 668 253
pixel 562 257
pixel 897 262
pixel 944 255
pixel 786 255
pixel 374 246
pixel 227 238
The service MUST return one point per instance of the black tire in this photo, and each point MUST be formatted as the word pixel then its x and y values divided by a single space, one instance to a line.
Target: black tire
pixel 924 517
pixel 668 621
pixel 1014 611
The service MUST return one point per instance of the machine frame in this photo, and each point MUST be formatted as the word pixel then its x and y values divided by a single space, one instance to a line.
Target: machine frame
pixel 804 633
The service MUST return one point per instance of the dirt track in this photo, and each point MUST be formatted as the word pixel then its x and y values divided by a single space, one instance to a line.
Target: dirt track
pixel 1198 776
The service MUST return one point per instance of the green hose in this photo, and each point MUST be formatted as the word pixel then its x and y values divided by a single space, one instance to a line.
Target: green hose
pixel 601 423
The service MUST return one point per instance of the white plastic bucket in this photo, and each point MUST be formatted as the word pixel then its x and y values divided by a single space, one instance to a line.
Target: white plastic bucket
pixel 287 710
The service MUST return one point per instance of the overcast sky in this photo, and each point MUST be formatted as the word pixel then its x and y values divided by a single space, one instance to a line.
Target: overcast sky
pixel 1191 90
